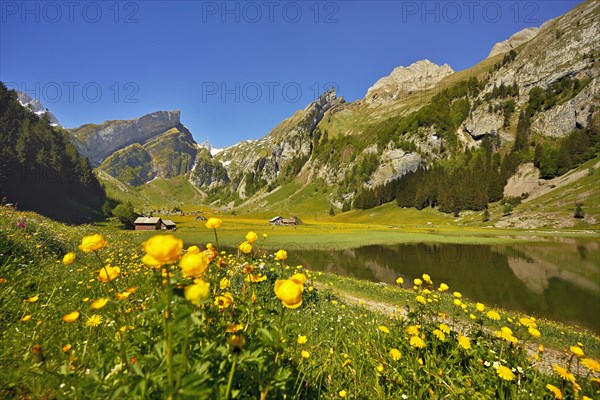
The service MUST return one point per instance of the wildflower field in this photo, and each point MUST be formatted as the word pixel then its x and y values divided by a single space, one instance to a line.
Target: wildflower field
pixel 91 314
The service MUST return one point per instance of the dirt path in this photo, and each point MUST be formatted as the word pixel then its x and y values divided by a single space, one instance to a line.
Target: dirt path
pixel 551 356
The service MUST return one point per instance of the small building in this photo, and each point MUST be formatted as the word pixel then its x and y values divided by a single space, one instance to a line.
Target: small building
pixel 168 225
pixel 148 224
pixel 276 221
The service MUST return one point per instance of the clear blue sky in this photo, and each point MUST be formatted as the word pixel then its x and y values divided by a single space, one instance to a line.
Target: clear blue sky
pixel 236 69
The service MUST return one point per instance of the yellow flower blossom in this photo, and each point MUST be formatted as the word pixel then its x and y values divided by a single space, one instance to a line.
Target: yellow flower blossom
pixel 418 282
pixel 33 299
pixel 399 281
pixel 591 364
pixel 395 354
pixel 379 368
pixel 165 249
pixel 493 315
pixel 505 373
pixel 122 295
pixel 213 223
pixel 421 299
pixel 342 393
pixel 457 295
pixel 464 342
pixel 445 328
pixel 412 330
pixel 92 243
pixel 280 255
pixel 439 334
pixel 555 391
pixel 25 318
pixel 71 317
pixel 416 341
pixel 289 292
pixel 194 265
pixel 528 322
pixel 383 329
pixel 534 332
pixel 94 321
pixel 246 247
pixel 67 347
pixel 577 351
pixel 480 307
pixel 98 304
pixel 69 258
pixel 224 301
pixel 457 302
pixel 443 287
pixel 251 237
pixel 193 249
pixel 197 292
pixel 427 279
pixel 563 373
pixel 302 339
pixel 224 283
pixel 108 273
pixel 305 354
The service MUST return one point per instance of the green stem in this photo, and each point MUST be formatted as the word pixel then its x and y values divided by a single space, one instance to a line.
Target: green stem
pixel 185 351
pixel 230 381
pixel 216 239
pixel 167 329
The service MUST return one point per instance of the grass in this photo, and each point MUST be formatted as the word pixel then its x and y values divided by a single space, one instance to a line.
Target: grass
pixel 161 336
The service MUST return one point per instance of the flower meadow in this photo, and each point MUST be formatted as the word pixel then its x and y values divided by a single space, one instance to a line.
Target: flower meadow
pixel 91 314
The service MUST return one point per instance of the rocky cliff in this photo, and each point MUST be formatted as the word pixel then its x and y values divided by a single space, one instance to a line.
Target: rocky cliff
pixel 37 107
pixel 96 142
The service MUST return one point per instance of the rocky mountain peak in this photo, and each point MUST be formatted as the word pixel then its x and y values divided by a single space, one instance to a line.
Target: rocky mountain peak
pixel 514 41
pixel 96 142
pixel 36 106
pixel 420 75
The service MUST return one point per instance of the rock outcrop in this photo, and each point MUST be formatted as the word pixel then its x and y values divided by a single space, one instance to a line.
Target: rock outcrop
pixel 403 81
pixel 514 41
pixel 37 107
pixel 96 142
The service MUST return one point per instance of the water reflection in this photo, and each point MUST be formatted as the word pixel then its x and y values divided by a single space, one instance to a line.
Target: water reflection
pixel 560 281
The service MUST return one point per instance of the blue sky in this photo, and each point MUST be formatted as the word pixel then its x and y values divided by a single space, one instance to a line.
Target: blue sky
pixel 236 69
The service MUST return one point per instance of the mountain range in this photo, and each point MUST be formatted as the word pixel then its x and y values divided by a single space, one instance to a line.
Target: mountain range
pixel 417 117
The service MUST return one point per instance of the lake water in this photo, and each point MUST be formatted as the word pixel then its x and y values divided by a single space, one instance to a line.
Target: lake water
pixel 557 279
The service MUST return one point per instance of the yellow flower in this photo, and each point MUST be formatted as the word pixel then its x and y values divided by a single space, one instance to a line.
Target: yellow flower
pixel 299 278
pixel 69 258
pixel 412 330
pixel 379 368
pixel 289 292
pixel 71 317
pixel 305 354
pixel 458 295
pixel 418 282
pixel 563 373
pixel 399 281
pixel 464 342
pixel 493 315
pixel 255 278
pixel 214 223
pixel 150 261
pixel 439 334
pixel 224 283
pixel 395 354
pixel 33 299
pixel 555 391
pixel 91 243
pixel 421 299
pixel 233 328
pixel 534 332
pixel 443 287
pixel 528 322
pixel 194 265
pixel 108 273
pixel 251 237
pixel 417 342
pixel 94 321
pixel 506 334
pixel 577 351
pixel 457 302
pixel 480 307
pixel 445 328
pixel 98 304
pixel 591 364
pixel 345 363
pixel 165 249
pixel 193 250
pixel 427 279
pixel 342 393
pixel 224 301
pixel 197 292
pixel 505 373
pixel 25 318
pixel 302 339
pixel 246 247
pixel 122 296
pixel 67 347
pixel 383 329
pixel 280 255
